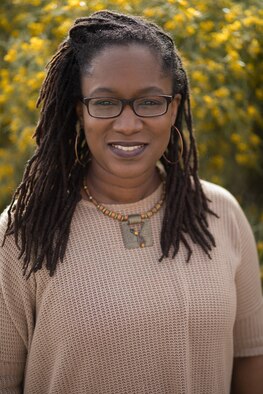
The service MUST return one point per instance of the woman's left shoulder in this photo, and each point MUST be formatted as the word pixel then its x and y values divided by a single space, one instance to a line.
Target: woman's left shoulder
pixel 219 196
pixel 213 190
pixel 227 208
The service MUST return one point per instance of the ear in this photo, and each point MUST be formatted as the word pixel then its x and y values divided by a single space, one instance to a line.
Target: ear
pixel 79 112
pixel 174 107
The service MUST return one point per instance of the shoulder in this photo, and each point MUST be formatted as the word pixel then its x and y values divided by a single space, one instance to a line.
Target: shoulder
pixel 231 216
pixel 3 223
pixel 218 193
pixel 221 200
pixel 9 250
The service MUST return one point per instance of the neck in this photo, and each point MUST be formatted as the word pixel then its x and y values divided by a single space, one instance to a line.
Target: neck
pixel 112 190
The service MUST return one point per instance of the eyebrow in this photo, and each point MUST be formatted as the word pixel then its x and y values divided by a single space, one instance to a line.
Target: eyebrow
pixel 106 90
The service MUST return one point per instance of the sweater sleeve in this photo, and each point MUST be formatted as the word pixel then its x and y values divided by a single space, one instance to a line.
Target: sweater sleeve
pixel 248 329
pixel 17 314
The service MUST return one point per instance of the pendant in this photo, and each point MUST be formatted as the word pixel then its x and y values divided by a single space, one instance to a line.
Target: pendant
pixel 136 233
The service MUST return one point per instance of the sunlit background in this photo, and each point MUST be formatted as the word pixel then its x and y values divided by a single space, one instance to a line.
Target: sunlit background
pixel 221 44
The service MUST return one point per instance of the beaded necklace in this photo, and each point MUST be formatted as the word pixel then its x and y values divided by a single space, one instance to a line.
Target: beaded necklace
pixel 136 229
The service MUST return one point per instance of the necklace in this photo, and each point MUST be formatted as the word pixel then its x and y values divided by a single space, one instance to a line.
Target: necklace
pixel 136 229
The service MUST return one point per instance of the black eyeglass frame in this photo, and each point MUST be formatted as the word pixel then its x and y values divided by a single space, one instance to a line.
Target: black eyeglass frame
pixel 124 102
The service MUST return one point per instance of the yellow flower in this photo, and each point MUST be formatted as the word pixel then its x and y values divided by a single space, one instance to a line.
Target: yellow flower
pixel 50 6
pixel 179 18
pixel 235 138
pixel 36 28
pixel 170 25
pixel 252 111
pixel 241 159
pixel 254 139
pixel 11 55
pixel 218 162
pixel 235 26
pixel 242 147
pixel 260 249
pixel 259 93
pixel 239 96
pixel 199 76
pixel 31 104
pixel 220 77
pixel 207 26
pixel 221 92
pixel 98 7
pixel 6 171
pixel 35 2
pixel 26 139
pixel 209 101
pixel 182 3
pixel 190 30
pixel 63 28
pixel 218 38
pixel 192 12
pixel 254 48
pixel 37 44
pixel 76 3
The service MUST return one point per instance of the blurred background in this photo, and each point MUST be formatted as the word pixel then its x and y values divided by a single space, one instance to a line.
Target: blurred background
pixel 222 48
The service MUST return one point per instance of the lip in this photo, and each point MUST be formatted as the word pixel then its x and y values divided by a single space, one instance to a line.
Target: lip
pixel 116 149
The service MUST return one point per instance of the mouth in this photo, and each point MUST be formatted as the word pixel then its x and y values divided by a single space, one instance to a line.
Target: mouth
pixel 127 149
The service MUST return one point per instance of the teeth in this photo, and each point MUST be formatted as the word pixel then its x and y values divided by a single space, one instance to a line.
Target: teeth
pixel 127 148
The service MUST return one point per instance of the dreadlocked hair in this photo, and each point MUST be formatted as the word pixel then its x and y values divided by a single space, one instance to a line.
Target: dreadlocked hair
pixel 42 207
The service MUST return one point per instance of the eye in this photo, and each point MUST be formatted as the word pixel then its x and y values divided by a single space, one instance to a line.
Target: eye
pixel 149 101
pixel 104 102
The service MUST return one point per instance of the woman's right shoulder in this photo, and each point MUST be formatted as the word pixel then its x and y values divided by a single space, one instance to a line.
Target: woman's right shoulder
pixel 3 223
pixel 9 251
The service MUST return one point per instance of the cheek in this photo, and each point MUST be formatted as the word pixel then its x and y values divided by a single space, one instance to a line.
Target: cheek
pixel 163 132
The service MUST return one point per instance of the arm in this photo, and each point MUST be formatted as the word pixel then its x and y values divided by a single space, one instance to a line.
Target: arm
pixel 17 298
pixel 247 376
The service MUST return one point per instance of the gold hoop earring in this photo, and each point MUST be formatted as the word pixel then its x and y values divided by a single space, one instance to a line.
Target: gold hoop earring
pixel 76 143
pixel 182 147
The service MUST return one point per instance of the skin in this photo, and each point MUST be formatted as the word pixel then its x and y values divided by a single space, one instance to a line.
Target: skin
pixel 125 72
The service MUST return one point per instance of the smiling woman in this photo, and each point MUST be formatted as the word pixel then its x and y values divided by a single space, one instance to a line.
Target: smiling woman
pixel 120 270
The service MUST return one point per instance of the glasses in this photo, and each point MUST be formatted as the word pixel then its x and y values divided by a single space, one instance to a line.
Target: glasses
pixel 109 107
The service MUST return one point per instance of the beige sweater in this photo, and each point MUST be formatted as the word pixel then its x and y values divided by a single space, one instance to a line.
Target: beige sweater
pixel 114 320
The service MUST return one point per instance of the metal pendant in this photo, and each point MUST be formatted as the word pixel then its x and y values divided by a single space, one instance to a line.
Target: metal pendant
pixel 136 233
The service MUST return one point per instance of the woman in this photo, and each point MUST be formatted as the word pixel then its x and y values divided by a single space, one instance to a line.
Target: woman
pixel 138 277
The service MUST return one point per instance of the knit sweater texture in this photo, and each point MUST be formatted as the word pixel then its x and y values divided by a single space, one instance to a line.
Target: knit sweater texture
pixel 116 321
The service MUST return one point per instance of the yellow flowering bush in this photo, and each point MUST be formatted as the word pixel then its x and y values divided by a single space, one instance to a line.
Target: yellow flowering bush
pixel 222 51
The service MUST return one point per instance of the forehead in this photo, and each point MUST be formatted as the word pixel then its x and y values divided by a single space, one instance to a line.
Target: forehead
pixel 128 68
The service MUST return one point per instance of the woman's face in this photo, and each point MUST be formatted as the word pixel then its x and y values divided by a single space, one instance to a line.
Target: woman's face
pixel 127 146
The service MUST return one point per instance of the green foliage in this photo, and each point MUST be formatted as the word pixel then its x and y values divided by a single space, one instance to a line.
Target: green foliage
pixel 221 44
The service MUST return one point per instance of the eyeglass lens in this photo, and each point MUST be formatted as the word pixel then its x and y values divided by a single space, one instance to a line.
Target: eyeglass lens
pixel 106 107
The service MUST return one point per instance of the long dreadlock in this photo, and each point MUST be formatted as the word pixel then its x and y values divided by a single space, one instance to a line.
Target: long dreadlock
pixel 42 207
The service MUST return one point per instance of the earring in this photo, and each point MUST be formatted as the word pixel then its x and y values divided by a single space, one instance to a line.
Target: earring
pixel 78 132
pixel 173 128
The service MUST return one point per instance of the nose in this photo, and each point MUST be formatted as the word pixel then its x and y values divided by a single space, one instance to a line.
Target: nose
pixel 128 122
